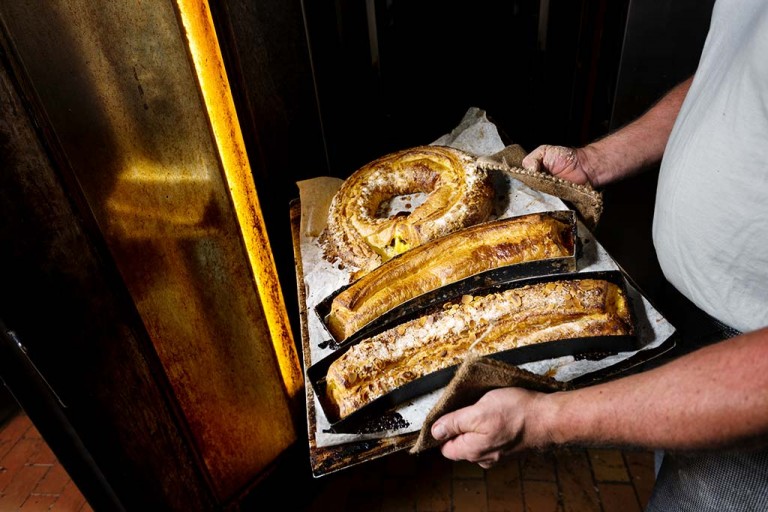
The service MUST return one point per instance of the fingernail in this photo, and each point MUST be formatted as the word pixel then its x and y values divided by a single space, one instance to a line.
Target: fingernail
pixel 438 431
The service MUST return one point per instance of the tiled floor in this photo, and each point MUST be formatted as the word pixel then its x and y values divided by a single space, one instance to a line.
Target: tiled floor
pixel 566 480
pixel 31 479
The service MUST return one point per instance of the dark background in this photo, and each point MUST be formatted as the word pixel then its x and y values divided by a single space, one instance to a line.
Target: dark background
pixel 325 87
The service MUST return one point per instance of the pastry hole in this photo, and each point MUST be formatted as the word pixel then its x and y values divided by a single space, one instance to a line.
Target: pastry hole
pixel 400 205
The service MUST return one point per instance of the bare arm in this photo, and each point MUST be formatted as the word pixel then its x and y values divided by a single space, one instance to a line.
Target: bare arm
pixel 620 154
pixel 640 143
pixel 714 397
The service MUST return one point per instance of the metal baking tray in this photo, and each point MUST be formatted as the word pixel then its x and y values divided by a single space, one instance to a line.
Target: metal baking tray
pixel 467 285
pixel 593 346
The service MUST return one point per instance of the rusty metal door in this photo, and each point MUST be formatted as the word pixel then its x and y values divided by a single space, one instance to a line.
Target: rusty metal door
pixel 136 148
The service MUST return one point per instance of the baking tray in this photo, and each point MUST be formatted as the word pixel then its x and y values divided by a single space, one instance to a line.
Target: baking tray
pixel 593 346
pixel 468 285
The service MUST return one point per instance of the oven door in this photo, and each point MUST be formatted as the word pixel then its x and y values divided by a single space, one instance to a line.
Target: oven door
pixel 139 277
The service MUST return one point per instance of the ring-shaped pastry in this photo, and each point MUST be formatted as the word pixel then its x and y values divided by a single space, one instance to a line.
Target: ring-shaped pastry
pixel 458 194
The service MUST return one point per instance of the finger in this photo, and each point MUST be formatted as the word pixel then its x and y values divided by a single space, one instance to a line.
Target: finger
pixel 446 428
pixel 532 161
pixel 559 160
pixel 469 446
pixel 486 464
pixel 456 423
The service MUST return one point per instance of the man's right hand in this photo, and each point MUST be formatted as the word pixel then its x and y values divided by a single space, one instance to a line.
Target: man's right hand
pixel 503 421
pixel 567 163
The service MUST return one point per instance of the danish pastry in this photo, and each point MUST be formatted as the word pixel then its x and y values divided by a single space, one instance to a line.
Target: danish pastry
pixel 458 194
pixel 446 260
pixel 475 325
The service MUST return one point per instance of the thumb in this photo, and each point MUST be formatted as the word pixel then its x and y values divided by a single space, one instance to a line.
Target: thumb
pixel 446 428
pixel 532 161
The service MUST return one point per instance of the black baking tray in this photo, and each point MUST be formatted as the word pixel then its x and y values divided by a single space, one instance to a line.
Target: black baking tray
pixel 467 285
pixel 601 345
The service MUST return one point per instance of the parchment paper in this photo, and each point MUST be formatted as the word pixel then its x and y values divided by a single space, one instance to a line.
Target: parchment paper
pixel 476 135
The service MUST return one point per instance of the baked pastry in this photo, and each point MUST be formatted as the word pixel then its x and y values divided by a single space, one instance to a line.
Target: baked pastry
pixel 458 195
pixel 474 325
pixel 446 260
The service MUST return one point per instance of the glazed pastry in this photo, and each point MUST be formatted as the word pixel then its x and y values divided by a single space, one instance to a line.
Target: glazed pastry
pixel 475 325
pixel 446 260
pixel 458 195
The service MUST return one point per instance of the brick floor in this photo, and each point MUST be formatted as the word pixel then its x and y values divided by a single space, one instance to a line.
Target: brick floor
pixel 565 480
pixel 31 479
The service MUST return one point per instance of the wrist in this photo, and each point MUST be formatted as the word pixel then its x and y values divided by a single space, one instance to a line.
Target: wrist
pixel 594 164
pixel 547 429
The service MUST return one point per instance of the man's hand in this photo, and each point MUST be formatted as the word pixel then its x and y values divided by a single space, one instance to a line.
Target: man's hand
pixel 567 163
pixel 715 397
pixel 498 424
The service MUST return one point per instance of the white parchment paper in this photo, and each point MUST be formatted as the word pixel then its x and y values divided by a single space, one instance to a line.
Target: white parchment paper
pixel 476 135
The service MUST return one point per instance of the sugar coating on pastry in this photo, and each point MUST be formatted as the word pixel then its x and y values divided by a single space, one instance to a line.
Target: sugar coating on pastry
pixel 475 325
pixel 446 260
pixel 458 194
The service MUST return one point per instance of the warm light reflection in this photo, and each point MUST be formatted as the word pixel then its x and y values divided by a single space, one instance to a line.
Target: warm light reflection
pixel 211 75
pixel 149 201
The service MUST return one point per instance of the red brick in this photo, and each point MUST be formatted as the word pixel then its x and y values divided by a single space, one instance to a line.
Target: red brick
pixel 53 482
pixel 20 486
pixel 15 427
pixel 618 497
pixel 577 487
pixel 469 496
pixel 434 462
pixel 641 472
pixel 364 478
pixel 505 486
pixel 32 433
pixel 356 502
pixel 400 464
pixel 539 466
pixel 16 458
pixel 561 481
pixel 397 495
pixel 324 502
pixel 39 503
pixel 334 491
pixel 541 496
pixel 434 484
pixel 464 469
pixel 360 488
pixel 608 465
pixel 70 499
pixel 11 431
pixel 43 455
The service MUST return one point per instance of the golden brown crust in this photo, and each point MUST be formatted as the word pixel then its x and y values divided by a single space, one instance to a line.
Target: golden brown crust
pixel 446 260
pixel 475 325
pixel 459 195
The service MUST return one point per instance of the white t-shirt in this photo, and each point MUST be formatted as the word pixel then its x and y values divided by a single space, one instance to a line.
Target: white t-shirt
pixel 710 226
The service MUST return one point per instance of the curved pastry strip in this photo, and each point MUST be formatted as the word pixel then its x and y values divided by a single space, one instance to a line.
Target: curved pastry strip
pixel 458 195
pixel 475 325
pixel 446 260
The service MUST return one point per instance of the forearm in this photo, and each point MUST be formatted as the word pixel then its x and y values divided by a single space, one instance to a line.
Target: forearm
pixel 715 397
pixel 637 145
